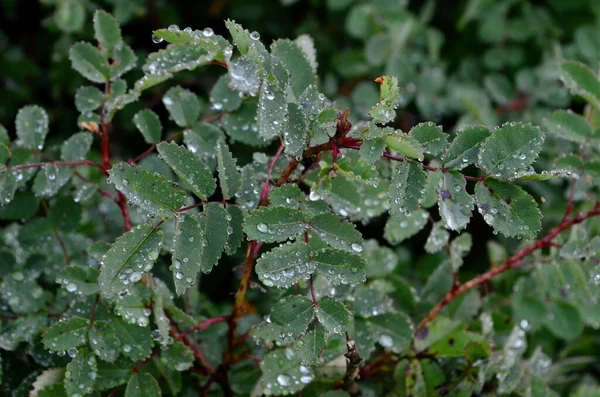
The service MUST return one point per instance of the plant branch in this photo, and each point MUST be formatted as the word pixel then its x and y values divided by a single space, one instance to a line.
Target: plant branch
pixel 205 324
pixel 512 262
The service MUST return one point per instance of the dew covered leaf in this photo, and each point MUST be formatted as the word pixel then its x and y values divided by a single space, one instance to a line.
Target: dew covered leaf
pixel 509 149
pixel 294 314
pixel 284 373
pixel 565 321
pixel 296 133
pixel 340 267
pixel 285 265
pixel 107 32
pixel 372 149
pixel 333 314
pixel 296 62
pixel 89 62
pixel 405 145
pixel 459 248
pixel 67 334
pixel 407 188
pixel 464 149
pixel 310 348
pixel 8 186
pixel 454 202
pixel 81 373
pixel 23 329
pixel 568 125
pixel 148 123
pixel 182 56
pixel 271 224
pixel 88 98
pixel 76 147
pixel 581 80
pixel 177 356
pixel 224 98
pixel 132 254
pixel 389 98
pixel 31 125
pixel 49 179
pixel 438 238
pixel 149 190
pixel 142 385
pixel 198 244
pixel 183 106
pixel 245 75
pixel 430 136
pixel 104 341
pixel 79 279
pixel 337 232
pixel 235 232
pixel 189 168
pixel 229 176
pixel 272 112
pixel 394 331
pixel 136 341
pixel 508 208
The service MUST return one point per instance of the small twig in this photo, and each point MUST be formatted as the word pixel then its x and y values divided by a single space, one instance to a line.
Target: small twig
pixel 352 367
pixel 205 324
pixel 63 247
pixel 93 310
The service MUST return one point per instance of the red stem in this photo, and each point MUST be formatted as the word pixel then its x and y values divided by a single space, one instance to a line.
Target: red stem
pixel 205 324
pixel 512 262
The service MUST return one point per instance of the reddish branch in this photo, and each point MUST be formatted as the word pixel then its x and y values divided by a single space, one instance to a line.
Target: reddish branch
pixel 205 324
pixel 513 262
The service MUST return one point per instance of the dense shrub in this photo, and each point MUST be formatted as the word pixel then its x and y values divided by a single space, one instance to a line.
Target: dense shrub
pixel 335 190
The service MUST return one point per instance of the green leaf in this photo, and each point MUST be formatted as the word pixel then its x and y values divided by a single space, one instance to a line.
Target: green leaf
pixel 177 356
pixel 285 265
pixel 198 244
pixel 183 56
pixel 564 320
pixel 460 247
pixel 272 112
pixel 235 230
pixel 49 180
pixel 283 373
pixel 407 188
pixel 508 208
pixel 88 98
pixel 136 341
pixel 132 254
pixel 8 186
pixel 224 98
pixel 142 385
pixel 272 224
pixel 340 266
pixel 131 307
pixel 293 314
pixel 79 279
pixel 66 335
pixel 149 190
pixel 69 15
pixel 464 149
pixel 372 149
pixel 111 375
pixel 430 136
pixel 333 314
pixel 23 295
pixel 296 62
pixel 337 232
pixel 107 32
pixel 568 125
pixel 189 168
pixel 229 176
pixel 389 98
pixel 405 145
pixel 183 106
pixel 394 331
pixel 581 80
pixel 310 348
pixel 438 238
pixel 89 62
pixel 81 373
pixel 32 127
pixel 76 147
pixel 104 341
pixel 510 149
pixel 245 75
pixel 149 125
pixel 455 203
pixel 149 81
pixel 23 329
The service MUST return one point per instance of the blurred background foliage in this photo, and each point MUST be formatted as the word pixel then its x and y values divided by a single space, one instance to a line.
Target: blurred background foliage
pixel 458 62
